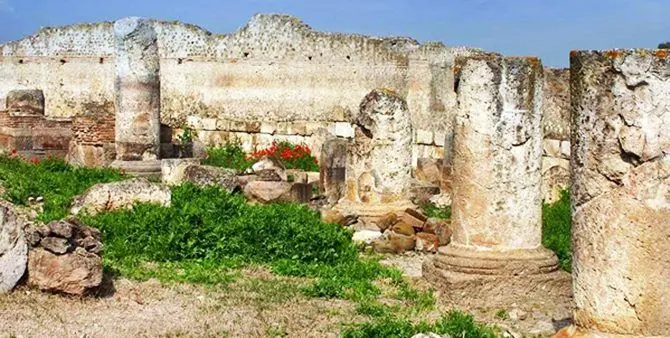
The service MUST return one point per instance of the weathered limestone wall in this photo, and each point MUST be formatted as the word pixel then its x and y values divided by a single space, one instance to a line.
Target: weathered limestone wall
pixel 274 69
pixel 556 125
pixel 621 191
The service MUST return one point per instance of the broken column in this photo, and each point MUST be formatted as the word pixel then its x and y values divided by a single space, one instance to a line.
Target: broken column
pixel 621 192
pixel 332 168
pixel 496 255
pixel 379 160
pixel 137 129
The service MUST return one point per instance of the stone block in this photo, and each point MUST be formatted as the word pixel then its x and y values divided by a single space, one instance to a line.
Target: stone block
pixel 423 137
pixel 25 101
pixel 208 124
pixel 343 129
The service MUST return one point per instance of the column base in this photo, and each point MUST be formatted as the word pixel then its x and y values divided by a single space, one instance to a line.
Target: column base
pixel 575 332
pixel 372 209
pixel 139 168
pixel 471 278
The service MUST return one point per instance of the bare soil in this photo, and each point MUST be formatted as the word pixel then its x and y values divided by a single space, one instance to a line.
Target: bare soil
pixel 258 304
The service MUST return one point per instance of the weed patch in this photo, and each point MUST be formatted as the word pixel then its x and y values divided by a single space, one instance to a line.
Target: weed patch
pixel 454 323
pixel 557 229
pixel 53 179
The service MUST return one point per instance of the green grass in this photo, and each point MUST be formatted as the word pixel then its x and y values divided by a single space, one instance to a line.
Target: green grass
pixel 57 182
pixel 454 323
pixel 229 155
pixel 557 229
pixel 433 211
pixel 208 232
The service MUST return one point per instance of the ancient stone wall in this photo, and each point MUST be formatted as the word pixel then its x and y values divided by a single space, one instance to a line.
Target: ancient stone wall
pixel 273 70
pixel 556 126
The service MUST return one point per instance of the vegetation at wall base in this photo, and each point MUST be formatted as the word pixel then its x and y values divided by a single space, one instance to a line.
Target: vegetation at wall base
pixel 52 179
pixel 557 229
pixel 231 155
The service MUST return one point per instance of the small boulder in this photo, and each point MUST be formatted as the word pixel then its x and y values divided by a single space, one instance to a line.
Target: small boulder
pixel 119 195
pixel 334 216
pixel 61 228
pixel 439 227
pixel 269 175
pixel 413 218
pixel 387 221
pixel 401 243
pixel 268 191
pixel 75 273
pixel 403 228
pixel 427 242
pixel 205 175
pixel 269 168
pixel 366 236
pixel 56 245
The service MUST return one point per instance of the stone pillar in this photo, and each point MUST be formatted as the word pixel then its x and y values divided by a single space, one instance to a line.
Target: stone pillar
pixel 137 88
pixel 621 192
pixel 496 255
pixel 333 168
pixel 379 161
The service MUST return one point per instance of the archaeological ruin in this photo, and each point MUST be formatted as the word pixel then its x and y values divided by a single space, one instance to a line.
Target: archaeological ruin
pixel 394 123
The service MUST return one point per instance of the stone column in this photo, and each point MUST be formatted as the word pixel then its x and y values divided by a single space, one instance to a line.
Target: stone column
pixel 333 168
pixel 621 192
pixel 496 255
pixel 137 94
pixel 379 161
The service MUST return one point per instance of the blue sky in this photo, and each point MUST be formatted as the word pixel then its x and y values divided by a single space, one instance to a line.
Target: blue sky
pixel 546 28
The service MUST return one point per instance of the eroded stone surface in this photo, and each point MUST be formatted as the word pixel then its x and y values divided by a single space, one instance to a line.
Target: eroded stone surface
pixel 378 171
pixel 497 154
pixel 117 195
pixel 13 249
pixel 621 188
pixel 137 90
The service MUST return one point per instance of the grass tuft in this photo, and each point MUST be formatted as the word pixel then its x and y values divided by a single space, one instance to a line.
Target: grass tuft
pixel 557 229
pixel 53 179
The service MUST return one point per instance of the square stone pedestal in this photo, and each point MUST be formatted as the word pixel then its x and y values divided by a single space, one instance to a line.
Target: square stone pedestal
pixel 471 278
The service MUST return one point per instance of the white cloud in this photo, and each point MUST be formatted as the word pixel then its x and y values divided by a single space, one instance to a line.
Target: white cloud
pixel 5 7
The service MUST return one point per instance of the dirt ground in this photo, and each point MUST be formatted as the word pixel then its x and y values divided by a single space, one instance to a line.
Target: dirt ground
pixel 256 305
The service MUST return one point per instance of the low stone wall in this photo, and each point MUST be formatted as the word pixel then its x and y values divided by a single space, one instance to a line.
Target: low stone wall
pixel 34 136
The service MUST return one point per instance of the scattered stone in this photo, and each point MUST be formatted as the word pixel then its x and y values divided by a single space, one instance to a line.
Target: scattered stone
pixel 364 224
pixel 386 221
pixel 61 228
pixel 366 236
pixel 403 228
pixel 119 195
pixel 413 218
pixel 75 273
pixel 439 227
pixel 56 245
pixel 401 243
pixel 172 169
pixel 268 192
pixel 335 216
pixel 441 200
pixel 69 265
pixel 205 175
pixel 421 193
pixel 13 249
pixel 427 242
pixel 268 175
